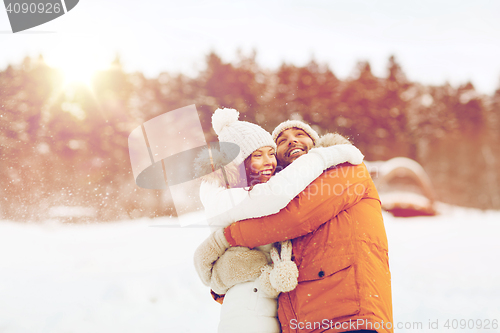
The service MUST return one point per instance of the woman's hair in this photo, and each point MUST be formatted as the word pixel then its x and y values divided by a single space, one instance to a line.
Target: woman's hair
pixel 251 181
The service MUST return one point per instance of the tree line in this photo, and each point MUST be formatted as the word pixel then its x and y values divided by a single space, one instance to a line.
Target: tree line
pixel 67 144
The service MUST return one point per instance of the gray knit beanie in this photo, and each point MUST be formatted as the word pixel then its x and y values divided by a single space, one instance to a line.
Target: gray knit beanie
pixel 295 124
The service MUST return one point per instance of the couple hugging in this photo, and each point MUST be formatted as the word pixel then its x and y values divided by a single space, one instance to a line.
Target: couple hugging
pixel 304 249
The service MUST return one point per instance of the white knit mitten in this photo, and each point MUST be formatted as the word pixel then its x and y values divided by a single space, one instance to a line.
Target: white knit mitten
pixel 265 282
pixel 284 275
pixel 207 254
pixel 237 265
pixel 339 154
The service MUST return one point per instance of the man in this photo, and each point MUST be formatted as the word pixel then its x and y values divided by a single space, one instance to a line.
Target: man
pixel 339 245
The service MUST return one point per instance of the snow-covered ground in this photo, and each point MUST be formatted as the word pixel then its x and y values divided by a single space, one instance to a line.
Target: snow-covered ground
pixel 135 276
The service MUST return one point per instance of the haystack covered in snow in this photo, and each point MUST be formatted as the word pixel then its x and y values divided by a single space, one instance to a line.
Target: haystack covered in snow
pixel 404 187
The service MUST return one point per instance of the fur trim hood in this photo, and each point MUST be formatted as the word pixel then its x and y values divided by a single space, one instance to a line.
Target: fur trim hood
pixel 332 139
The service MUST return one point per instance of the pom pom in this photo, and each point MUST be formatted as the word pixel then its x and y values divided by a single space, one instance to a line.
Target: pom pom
pixel 222 118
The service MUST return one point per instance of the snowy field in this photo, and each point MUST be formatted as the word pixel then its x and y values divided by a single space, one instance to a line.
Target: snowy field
pixel 138 277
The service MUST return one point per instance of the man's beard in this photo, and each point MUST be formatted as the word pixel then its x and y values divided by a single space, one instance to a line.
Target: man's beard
pixel 290 158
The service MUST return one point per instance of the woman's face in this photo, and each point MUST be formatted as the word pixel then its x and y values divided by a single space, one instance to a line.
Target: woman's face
pixel 260 165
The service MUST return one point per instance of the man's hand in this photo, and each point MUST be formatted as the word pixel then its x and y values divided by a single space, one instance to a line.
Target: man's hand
pixel 284 275
pixel 207 254
pixel 265 282
pixel 236 265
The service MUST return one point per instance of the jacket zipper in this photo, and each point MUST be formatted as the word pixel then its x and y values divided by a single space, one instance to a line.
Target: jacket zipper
pixel 288 309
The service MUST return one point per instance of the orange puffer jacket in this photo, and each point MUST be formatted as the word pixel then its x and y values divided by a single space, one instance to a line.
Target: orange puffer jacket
pixel 340 247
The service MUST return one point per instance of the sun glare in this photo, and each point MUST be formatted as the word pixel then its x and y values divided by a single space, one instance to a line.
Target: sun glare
pixel 78 74
pixel 77 67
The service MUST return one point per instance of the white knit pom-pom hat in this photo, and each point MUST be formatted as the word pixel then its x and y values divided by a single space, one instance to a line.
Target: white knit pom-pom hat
pixel 249 137
pixel 296 124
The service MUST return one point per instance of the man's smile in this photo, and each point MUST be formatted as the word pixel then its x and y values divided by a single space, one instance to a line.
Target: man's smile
pixel 294 150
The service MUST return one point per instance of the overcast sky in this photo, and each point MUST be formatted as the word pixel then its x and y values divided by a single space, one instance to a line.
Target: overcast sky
pixel 434 41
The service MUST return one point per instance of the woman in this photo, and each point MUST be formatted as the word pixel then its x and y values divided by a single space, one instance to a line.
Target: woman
pixel 252 306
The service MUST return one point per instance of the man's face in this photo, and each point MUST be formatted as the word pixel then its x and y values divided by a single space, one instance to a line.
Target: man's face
pixel 291 144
